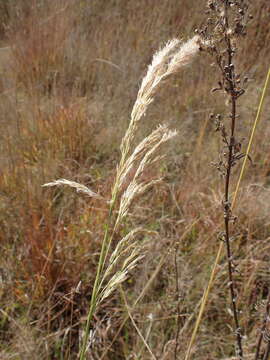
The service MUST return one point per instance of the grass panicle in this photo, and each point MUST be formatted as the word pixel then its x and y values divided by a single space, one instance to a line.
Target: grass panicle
pixel 80 188
pixel 167 61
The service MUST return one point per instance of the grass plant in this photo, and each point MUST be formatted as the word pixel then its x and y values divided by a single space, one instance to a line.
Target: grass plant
pixel 165 62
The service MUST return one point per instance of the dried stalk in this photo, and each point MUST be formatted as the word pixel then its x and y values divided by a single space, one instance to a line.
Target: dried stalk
pixel 225 25
pixel 177 294
pixel 232 91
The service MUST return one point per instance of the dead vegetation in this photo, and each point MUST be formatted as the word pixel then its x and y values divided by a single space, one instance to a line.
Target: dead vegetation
pixel 70 72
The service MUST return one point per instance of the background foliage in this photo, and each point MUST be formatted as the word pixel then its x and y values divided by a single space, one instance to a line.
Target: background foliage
pixel 70 71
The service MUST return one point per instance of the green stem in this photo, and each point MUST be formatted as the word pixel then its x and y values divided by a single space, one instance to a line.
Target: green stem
pixel 94 295
pixel 101 262
pixel 96 289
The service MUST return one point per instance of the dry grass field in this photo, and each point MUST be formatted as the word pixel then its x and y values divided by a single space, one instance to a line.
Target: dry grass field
pixel 70 74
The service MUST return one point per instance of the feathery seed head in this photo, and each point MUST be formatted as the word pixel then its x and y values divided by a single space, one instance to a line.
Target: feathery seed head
pixel 79 187
pixel 184 55
pixel 165 62
pixel 144 152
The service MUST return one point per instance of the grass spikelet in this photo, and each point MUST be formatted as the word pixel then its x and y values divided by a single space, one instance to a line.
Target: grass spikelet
pixel 149 85
pixel 79 187
pixel 140 151
pixel 184 55
pixel 165 62
pixel 120 276
pixel 147 150
pixel 123 247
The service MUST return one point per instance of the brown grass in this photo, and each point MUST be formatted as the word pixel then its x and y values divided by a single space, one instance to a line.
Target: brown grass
pixel 70 72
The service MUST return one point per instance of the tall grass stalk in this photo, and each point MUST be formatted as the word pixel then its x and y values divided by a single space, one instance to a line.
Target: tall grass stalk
pixel 260 107
pixel 166 62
